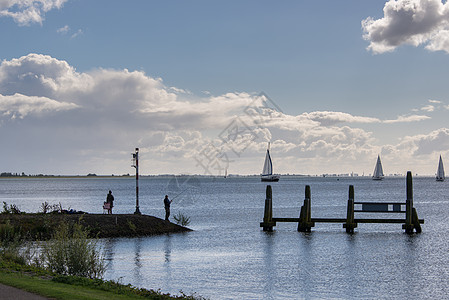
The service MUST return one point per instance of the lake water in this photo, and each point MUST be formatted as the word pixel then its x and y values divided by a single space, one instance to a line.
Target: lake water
pixel 228 256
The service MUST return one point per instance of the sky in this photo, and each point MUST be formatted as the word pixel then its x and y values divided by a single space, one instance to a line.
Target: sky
pixel 201 87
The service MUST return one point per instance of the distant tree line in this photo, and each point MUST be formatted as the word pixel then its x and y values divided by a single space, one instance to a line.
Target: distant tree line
pixel 9 174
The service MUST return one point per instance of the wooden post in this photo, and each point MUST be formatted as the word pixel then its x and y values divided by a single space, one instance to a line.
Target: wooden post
pixel 415 221
pixel 409 205
pixel 305 223
pixel 350 224
pixel 268 212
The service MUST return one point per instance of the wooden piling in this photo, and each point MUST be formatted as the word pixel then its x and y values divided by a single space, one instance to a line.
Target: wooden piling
pixel 268 222
pixel 305 223
pixel 350 224
pixel 408 226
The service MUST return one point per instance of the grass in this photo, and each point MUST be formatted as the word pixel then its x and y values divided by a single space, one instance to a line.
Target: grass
pixel 48 284
pixel 51 289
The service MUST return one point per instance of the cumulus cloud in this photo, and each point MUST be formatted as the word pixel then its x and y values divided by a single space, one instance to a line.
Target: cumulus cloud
pixel 19 106
pixel 436 141
pixel 409 22
pixel 91 117
pixel 26 12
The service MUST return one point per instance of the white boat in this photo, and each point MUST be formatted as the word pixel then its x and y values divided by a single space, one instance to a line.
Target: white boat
pixel 267 172
pixel 440 172
pixel 378 171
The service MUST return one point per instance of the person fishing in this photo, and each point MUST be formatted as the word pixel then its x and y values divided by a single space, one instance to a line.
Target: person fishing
pixel 167 203
pixel 110 200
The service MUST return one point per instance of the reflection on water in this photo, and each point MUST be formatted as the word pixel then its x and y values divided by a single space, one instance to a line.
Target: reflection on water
pixel 269 270
pixel 137 275
pixel 228 256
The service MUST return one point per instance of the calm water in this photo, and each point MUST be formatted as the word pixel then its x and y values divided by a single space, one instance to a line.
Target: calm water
pixel 228 256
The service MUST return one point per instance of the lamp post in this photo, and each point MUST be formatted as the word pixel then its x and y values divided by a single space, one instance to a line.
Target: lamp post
pixel 136 165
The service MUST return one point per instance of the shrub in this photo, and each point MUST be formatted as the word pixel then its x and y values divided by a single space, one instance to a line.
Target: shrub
pixel 71 252
pixel 45 207
pixel 181 219
pixel 12 209
pixel 13 245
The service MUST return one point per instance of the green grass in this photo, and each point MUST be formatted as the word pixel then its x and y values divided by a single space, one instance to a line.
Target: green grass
pixel 47 284
pixel 51 289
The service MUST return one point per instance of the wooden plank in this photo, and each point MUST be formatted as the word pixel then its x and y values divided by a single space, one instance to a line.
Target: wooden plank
pixel 389 203
pixel 375 207
pixel 376 211
pixel 295 220
pixel 398 221
pixel 341 220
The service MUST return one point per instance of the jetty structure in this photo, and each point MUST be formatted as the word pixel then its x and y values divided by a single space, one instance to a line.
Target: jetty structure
pixel 410 223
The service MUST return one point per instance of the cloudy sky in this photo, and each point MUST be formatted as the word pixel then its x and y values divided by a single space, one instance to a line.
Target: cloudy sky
pixel 203 86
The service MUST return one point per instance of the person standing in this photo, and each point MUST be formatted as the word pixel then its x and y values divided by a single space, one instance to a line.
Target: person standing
pixel 110 200
pixel 167 207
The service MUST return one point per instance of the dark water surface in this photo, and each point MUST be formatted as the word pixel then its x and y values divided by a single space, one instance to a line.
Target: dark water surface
pixel 228 256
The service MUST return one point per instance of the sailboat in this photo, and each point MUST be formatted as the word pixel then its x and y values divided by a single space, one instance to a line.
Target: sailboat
pixel 378 171
pixel 267 173
pixel 440 172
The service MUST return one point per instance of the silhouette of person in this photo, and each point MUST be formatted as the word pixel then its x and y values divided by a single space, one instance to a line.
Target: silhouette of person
pixel 167 207
pixel 110 200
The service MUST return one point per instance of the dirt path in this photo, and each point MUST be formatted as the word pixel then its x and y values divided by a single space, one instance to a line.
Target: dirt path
pixel 9 292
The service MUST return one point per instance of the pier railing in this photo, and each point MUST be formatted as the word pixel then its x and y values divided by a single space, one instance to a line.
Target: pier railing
pixel 306 222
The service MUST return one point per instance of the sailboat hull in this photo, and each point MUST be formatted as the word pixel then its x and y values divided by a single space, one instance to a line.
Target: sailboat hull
pixel 440 179
pixel 270 179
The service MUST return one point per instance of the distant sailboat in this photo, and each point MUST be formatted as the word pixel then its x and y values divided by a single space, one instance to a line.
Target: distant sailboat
pixel 267 173
pixel 378 171
pixel 440 172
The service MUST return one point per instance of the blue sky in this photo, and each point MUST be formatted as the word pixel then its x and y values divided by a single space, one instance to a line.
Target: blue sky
pixel 82 83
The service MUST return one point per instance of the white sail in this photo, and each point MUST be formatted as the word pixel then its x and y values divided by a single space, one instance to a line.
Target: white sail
pixel 378 171
pixel 267 172
pixel 440 172
pixel 268 165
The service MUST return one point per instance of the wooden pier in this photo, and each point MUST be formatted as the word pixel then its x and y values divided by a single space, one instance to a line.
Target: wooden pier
pixel 306 222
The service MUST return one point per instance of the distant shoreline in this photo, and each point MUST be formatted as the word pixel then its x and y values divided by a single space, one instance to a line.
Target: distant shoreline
pixel 205 176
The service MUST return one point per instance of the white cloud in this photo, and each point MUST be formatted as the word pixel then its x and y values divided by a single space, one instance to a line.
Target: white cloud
pixel 436 141
pixel 435 101
pixel 82 119
pixel 428 108
pixel 409 22
pixel 26 12
pixel 327 118
pixel 76 34
pixel 63 30
pixel 407 119
pixel 19 106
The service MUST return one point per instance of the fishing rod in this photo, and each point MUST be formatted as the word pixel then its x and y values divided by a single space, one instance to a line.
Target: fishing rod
pixel 177 195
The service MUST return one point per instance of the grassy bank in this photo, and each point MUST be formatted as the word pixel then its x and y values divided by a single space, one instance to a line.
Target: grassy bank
pixel 42 282
pixel 68 250
pixel 41 226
